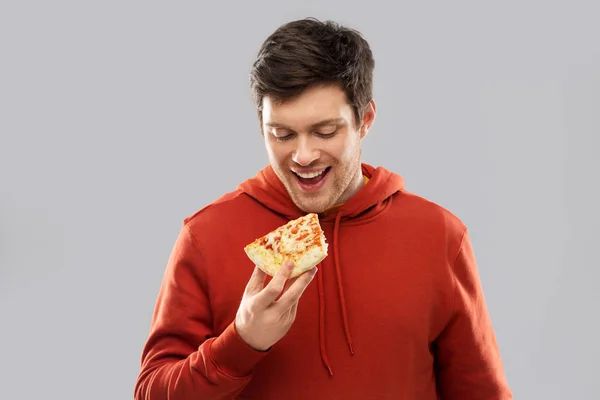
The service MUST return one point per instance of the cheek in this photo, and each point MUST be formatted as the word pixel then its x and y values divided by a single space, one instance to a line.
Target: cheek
pixel 277 153
pixel 345 150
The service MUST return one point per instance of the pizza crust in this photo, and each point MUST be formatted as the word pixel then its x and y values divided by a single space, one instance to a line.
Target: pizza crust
pixel 301 241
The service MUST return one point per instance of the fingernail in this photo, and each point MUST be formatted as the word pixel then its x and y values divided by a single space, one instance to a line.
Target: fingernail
pixel 290 265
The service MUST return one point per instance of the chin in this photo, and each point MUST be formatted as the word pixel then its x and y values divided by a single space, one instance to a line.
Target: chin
pixel 314 205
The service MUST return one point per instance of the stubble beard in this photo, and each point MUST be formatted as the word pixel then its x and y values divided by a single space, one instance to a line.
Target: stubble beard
pixel 317 203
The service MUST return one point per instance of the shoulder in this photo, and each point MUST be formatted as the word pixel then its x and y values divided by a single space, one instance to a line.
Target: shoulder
pixel 232 216
pixel 428 211
pixel 229 208
pixel 430 218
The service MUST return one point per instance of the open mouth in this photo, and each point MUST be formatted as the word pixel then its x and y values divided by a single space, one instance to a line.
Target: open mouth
pixel 312 180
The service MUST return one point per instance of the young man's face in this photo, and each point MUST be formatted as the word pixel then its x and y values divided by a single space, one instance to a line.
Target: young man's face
pixel 313 144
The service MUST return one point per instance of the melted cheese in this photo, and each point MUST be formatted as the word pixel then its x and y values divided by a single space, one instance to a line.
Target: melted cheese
pixel 302 241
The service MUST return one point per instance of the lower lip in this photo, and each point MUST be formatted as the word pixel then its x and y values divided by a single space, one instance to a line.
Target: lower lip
pixel 316 186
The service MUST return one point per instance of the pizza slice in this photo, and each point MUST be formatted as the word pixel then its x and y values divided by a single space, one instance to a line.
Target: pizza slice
pixel 301 241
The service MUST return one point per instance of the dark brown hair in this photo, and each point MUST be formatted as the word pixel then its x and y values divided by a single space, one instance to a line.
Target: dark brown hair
pixel 310 52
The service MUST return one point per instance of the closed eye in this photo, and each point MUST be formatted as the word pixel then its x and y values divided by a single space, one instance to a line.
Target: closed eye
pixel 280 134
pixel 281 137
pixel 326 135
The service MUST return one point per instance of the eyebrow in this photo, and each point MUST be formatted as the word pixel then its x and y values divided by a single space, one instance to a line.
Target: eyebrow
pixel 330 121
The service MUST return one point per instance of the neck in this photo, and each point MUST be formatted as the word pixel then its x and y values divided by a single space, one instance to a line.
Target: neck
pixel 355 185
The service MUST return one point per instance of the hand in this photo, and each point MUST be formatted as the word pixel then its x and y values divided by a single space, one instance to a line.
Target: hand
pixel 262 319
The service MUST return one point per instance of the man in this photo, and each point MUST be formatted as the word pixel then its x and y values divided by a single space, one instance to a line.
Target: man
pixel 396 311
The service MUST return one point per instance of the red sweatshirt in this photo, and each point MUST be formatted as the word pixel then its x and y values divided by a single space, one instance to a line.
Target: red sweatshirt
pixel 396 310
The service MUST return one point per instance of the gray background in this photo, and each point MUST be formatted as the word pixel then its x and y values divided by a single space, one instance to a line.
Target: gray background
pixel 120 118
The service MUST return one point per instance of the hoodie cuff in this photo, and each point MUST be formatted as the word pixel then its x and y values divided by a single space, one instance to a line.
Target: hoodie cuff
pixel 233 356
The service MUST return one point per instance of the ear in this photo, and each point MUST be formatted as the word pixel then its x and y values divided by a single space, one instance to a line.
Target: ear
pixel 368 118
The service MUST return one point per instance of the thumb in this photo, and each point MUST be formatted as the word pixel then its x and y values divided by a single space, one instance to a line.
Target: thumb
pixel 286 269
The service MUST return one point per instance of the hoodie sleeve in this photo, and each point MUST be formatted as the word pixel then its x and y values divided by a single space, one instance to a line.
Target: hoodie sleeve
pixel 468 360
pixel 182 358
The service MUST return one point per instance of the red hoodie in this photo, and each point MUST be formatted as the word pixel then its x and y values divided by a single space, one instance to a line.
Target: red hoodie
pixel 396 310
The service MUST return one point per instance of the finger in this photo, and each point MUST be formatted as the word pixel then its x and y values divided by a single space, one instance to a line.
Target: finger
pixel 295 291
pixel 275 287
pixel 256 282
pixel 288 283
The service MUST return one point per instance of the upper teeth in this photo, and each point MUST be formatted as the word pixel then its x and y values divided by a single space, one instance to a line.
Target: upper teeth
pixel 308 175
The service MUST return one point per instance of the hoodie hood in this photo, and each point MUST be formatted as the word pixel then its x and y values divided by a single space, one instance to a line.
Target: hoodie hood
pixel 267 189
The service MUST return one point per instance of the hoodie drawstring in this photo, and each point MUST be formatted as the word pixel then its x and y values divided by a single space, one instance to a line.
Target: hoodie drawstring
pixel 322 323
pixel 341 297
pixel 339 281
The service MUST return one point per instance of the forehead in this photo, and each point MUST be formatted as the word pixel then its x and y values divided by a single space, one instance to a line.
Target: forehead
pixel 311 106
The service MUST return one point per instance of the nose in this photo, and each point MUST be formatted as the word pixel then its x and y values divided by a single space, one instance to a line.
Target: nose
pixel 305 152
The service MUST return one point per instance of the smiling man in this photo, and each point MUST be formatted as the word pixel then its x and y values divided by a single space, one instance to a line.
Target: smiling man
pixel 396 311
pixel 313 143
